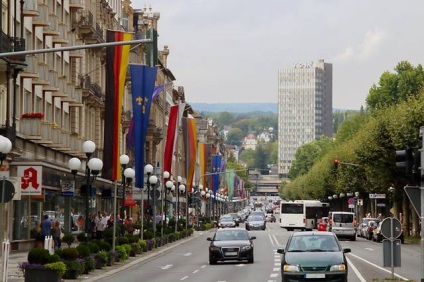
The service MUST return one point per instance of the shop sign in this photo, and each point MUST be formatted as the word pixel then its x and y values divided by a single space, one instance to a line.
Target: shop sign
pixel 31 177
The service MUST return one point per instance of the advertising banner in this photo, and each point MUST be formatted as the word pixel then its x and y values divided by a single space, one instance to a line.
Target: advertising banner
pixel 31 177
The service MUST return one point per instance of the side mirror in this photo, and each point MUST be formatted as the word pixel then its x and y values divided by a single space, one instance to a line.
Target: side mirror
pixel 346 250
pixel 252 237
pixel 281 251
pixel 209 239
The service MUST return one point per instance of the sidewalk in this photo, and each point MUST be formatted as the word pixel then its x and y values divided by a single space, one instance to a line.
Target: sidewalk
pixel 16 275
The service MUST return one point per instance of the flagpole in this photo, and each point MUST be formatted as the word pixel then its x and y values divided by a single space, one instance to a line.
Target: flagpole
pixel 164 192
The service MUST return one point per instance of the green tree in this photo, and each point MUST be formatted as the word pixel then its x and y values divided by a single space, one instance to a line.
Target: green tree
pixel 394 87
pixel 224 118
pixel 234 137
pixel 261 158
pixel 248 157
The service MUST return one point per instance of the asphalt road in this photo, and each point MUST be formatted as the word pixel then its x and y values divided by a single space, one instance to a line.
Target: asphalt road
pixel 189 262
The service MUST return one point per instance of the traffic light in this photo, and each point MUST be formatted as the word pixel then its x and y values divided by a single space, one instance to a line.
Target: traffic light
pixel 336 165
pixel 405 159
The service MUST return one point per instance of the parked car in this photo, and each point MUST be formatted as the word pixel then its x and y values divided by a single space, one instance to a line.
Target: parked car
pixel 361 231
pixel 368 230
pixel 255 222
pixel 378 237
pixel 311 255
pixel 233 244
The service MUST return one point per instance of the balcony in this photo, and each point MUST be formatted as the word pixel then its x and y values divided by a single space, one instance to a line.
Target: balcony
pixel 85 23
pixel 76 4
pixel 62 37
pixel 31 70
pixel 91 92
pixel 12 44
pixel 31 128
pixel 42 19
pixel 30 8
pixel 53 28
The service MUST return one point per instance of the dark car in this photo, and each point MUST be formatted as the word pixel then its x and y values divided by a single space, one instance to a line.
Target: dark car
pixel 255 222
pixel 313 255
pixel 226 222
pixel 233 244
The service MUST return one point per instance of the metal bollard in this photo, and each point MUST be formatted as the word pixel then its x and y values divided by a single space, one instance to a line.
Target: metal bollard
pixel 5 258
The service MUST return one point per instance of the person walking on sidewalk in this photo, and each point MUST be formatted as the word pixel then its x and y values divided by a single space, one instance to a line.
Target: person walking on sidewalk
pixel 56 232
pixel 46 226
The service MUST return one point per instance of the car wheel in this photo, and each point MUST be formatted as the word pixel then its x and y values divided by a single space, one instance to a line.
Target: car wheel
pixel 212 261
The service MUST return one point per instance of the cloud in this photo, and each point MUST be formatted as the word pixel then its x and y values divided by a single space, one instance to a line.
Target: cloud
pixel 372 41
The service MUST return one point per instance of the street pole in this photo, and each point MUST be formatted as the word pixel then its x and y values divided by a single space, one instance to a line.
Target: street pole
pixel 422 202
pixel 114 215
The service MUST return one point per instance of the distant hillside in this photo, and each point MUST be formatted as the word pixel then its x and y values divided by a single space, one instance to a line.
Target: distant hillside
pixel 235 107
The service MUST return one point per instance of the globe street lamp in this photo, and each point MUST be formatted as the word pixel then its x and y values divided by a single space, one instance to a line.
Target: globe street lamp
pixel 124 160
pixel 92 169
pixel 5 147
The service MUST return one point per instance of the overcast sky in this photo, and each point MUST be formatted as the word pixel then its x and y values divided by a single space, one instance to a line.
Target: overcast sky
pixel 231 51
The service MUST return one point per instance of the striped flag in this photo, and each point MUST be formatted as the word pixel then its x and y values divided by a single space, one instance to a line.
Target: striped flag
pixel 190 141
pixel 174 123
pixel 116 70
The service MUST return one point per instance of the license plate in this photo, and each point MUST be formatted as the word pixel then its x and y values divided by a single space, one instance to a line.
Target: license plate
pixel 314 275
pixel 231 253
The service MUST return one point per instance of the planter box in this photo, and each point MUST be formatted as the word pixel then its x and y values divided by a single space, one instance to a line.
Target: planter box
pixel 41 275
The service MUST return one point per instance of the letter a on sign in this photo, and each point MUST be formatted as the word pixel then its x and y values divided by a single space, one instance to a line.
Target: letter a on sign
pixel 30 179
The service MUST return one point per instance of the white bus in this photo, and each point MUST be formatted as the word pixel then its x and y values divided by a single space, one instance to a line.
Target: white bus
pixel 302 214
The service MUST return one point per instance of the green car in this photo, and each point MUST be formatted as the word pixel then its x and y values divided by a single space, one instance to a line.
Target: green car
pixel 313 255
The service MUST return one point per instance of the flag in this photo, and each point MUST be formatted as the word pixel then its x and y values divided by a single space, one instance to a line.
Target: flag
pixel 116 70
pixel 202 163
pixel 159 89
pixel 216 166
pixel 174 122
pixel 230 177
pixel 142 87
pixel 190 141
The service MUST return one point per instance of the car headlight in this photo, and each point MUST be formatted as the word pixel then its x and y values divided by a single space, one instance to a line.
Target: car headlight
pixel 246 248
pixel 219 224
pixel 215 249
pixel 338 267
pixel 291 268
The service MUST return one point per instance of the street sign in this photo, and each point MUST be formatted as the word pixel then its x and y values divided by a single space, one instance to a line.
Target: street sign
pixel 388 246
pixel 351 201
pixel 377 196
pixel 391 227
pixel 9 191
pixel 414 195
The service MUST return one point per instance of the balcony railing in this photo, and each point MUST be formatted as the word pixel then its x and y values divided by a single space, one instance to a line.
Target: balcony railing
pixel 12 44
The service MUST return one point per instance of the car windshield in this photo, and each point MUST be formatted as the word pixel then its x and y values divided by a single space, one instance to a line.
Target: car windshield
pixel 256 218
pixel 231 235
pixel 313 243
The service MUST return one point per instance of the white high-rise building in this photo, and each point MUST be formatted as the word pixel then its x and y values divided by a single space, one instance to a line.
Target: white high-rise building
pixel 304 108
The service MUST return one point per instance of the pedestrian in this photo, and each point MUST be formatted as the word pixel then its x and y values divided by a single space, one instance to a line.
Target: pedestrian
pixel 110 221
pixel 91 232
pixel 130 226
pixel 46 226
pixel 99 226
pixel 56 232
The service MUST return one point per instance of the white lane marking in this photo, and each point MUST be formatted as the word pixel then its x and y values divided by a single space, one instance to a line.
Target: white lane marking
pixel 203 266
pixel 276 264
pixel 275 269
pixel 385 270
pixel 273 275
pixel 196 271
pixel 187 254
pixel 184 278
pixel 358 274
pixel 271 238
pixel 369 249
pixel 168 266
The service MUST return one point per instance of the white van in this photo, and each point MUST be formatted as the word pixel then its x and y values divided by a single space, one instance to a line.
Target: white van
pixel 343 224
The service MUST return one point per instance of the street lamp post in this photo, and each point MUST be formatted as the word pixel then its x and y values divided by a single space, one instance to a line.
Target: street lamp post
pixel 356 205
pixel 148 169
pixel 153 179
pixel 92 169
pixel 177 209
pixel 164 193
pixel 124 160
pixel 5 147
pixel 169 188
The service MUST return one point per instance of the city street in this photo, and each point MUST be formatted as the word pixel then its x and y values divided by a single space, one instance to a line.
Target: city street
pixel 189 262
